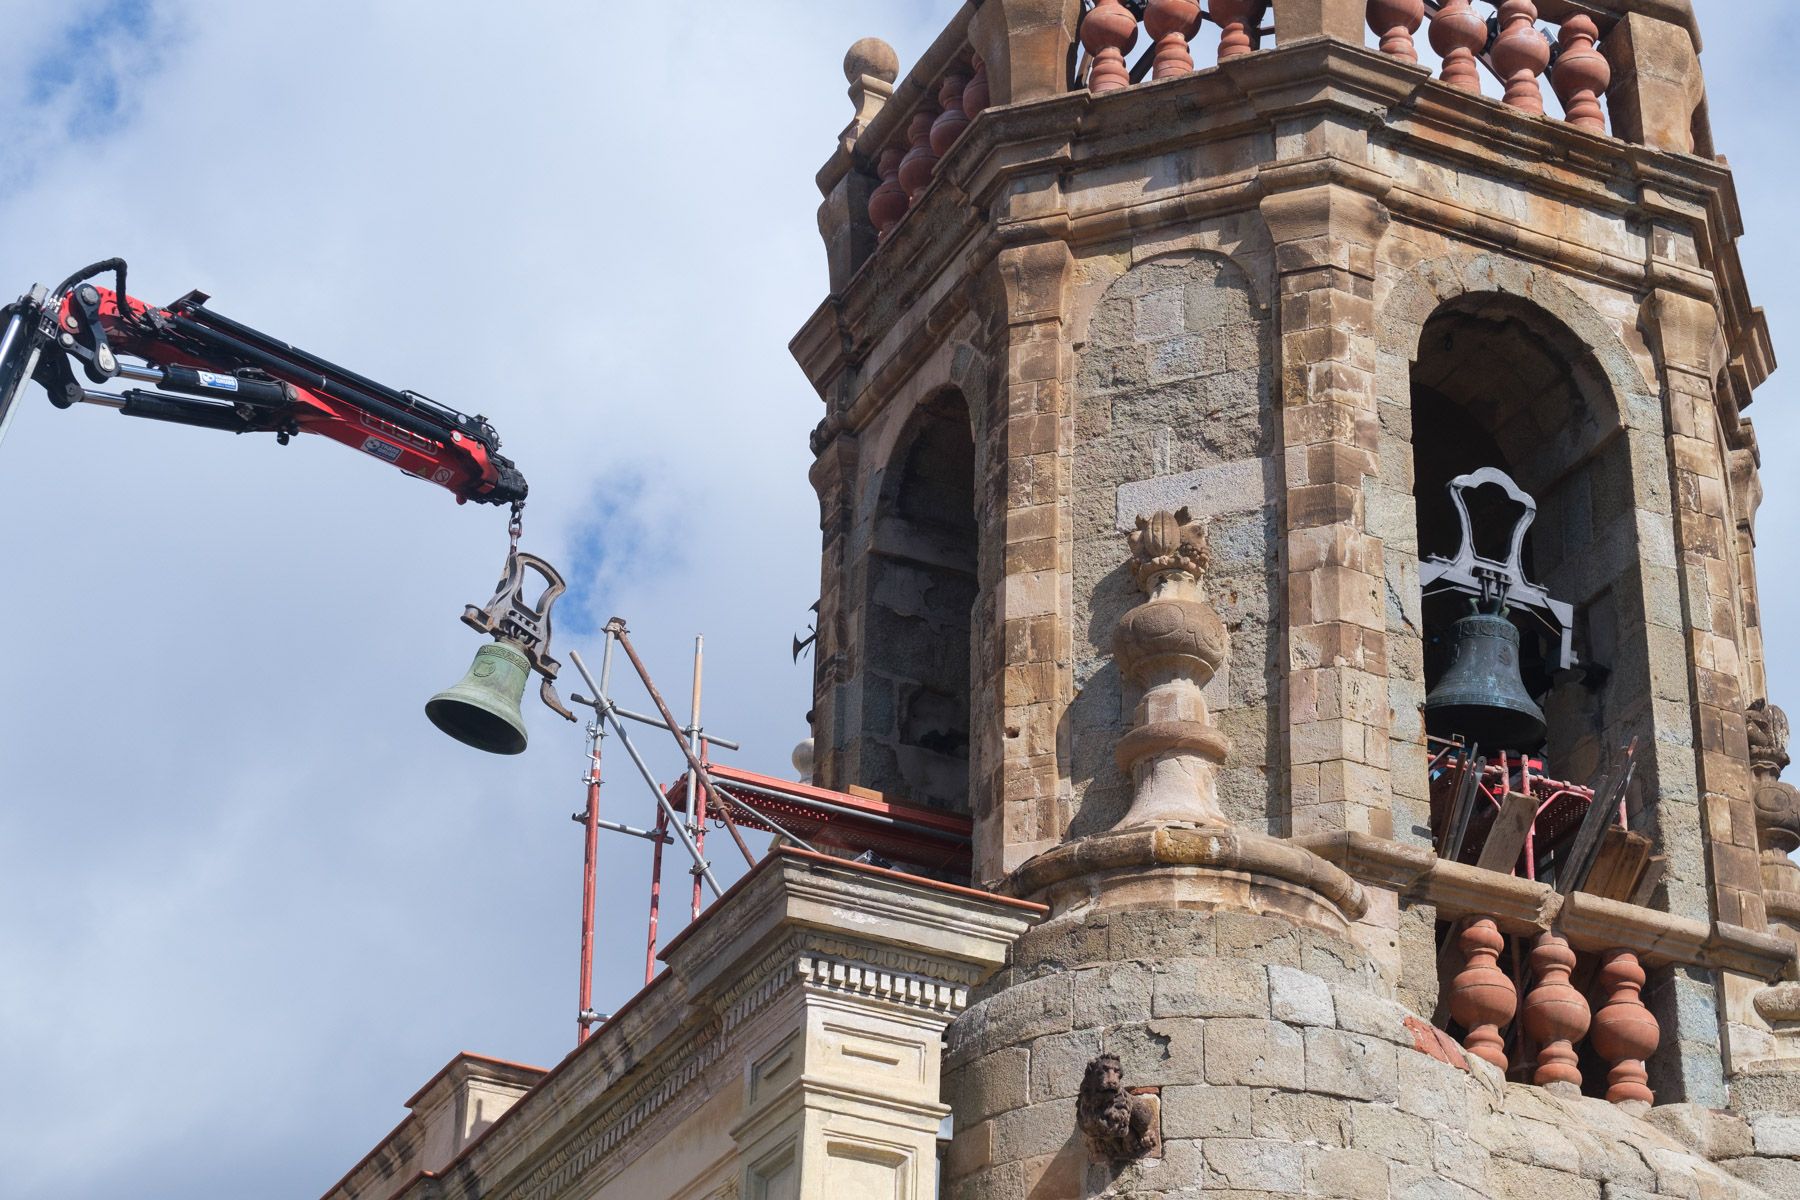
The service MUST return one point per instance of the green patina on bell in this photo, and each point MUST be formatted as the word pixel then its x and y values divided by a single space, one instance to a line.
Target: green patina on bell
pixel 482 709
pixel 1482 698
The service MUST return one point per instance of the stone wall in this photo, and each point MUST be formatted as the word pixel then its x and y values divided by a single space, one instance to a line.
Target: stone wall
pixel 1283 1068
pixel 1172 408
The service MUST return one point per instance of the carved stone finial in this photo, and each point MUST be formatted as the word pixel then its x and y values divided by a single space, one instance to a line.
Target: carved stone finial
pixel 870 66
pixel 1167 542
pixel 1117 1125
pixel 871 57
pixel 1458 34
pixel 1171 646
pixel 1777 803
pixel 1768 729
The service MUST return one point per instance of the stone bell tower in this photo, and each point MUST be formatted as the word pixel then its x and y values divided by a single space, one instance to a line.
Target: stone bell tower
pixel 1154 340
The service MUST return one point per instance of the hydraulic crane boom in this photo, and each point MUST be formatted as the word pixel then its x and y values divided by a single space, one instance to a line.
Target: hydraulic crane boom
pixel 214 373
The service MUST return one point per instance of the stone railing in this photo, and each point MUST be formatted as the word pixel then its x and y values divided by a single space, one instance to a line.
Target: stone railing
pixel 908 162
pixel 1510 44
pixel 1637 57
pixel 1109 32
pixel 1528 975
pixel 1625 67
pixel 1555 1015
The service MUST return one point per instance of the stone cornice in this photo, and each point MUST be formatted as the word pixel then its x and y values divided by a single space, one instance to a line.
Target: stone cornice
pixel 1520 906
pixel 797 924
pixel 1220 850
pixel 1015 175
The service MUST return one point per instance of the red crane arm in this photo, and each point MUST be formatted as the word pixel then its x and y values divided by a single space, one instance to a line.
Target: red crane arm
pixel 212 372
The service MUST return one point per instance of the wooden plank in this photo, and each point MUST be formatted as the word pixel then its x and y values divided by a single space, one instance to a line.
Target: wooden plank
pixel 1654 870
pixel 1506 837
pixel 1578 862
pixel 1621 861
pixel 1462 807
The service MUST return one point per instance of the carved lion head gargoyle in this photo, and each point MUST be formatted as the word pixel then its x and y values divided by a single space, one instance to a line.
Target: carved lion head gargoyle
pixel 1118 1125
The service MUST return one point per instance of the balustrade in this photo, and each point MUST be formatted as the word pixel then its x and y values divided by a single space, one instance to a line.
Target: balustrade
pixel 1573 996
pixel 906 165
pixel 1510 40
pixel 1515 50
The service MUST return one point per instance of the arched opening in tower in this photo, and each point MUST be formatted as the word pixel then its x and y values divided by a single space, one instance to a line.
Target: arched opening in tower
pixel 921 589
pixel 1498 383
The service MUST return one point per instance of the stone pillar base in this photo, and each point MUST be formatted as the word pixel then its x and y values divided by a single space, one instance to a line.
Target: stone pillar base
pixel 1195 867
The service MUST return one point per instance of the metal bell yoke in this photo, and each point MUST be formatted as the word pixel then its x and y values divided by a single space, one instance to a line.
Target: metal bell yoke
pixel 1482 696
pixel 482 709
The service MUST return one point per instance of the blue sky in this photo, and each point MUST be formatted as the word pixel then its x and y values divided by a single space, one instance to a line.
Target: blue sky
pixel 249 899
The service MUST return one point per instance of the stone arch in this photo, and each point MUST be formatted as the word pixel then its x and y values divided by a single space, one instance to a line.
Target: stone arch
pixel 918 598
pixel 1173 406
pixel 1590 444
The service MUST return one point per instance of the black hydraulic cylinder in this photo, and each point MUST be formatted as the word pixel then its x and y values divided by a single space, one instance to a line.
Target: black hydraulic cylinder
pixel 258 393
pixel 409 421
pixel 181 411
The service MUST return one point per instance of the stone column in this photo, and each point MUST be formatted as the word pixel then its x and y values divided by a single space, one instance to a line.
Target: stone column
pixel 1696 694
pixel 871 68
pixel 1325 241
pixel 1688 340
pixel 1657 95
pixel 833 477
pixel 1025 44
pixel 1341 19
pixel 1021 677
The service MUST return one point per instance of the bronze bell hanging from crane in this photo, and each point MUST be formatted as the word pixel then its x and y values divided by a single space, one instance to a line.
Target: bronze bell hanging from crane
pixel 1482 697
pixel 482 709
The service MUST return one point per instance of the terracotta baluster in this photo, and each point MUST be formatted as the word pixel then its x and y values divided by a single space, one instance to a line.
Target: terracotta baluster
pixel 918 164
pixel 1520 55
pixel 1482 999
pixel 1625 1032
pixel 1458 34
pixel 1233 19
pixel 975 97
pixel 1170 23
pixel 953 120
pixel 888 203
pixel 1109 31
pixel 1395 22
pixel 1581 73
pixel 1556 1015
